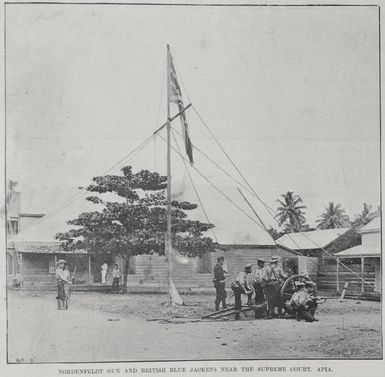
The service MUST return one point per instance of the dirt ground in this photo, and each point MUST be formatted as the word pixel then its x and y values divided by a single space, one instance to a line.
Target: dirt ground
pixel 108 327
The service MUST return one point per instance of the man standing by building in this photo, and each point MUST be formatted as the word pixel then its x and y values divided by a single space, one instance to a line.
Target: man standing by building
pixel 115 278
pixel 219 283
pixel 239 287
pixel 61 281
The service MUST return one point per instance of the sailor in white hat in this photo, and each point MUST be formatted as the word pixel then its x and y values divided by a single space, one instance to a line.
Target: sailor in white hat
pixel 275 272
pixel 61 280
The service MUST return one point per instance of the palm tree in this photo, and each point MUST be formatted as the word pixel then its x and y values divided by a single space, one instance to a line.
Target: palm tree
pixel 365 216
pixel 290 213
pixel 333 217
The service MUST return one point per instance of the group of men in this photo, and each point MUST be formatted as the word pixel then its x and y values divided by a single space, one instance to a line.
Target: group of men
pixel 264 283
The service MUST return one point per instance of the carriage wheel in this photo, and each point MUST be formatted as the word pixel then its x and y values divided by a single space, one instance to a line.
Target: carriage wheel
pixel 288 287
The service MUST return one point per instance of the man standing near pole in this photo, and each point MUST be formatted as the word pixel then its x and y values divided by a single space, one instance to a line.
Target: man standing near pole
pixel 219 283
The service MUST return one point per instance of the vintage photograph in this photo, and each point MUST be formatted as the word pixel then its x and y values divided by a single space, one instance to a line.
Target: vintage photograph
pixel 189 182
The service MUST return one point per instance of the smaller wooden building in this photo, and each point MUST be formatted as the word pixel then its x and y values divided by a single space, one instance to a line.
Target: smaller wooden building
pixel 367 256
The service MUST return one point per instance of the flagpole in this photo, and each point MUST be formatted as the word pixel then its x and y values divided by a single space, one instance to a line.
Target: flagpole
pixel 168 235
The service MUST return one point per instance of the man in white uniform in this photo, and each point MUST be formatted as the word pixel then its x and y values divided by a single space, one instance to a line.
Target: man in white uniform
pixel 104 272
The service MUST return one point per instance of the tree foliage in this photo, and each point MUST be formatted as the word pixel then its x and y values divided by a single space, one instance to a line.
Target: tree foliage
pixel 333 217
pixel 275 234
pixel 136 222
pixel 365 216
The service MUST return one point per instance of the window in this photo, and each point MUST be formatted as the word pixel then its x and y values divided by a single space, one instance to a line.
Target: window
pixel 51 265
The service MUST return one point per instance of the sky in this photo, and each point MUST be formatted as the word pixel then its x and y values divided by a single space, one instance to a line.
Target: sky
pixel 291 94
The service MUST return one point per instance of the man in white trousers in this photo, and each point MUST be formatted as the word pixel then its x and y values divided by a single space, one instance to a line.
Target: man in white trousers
pixel 104 272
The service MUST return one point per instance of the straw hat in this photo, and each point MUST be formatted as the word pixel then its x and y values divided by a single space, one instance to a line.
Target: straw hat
pixel 60 261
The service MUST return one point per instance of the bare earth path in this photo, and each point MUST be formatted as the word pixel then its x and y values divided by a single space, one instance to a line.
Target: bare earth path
pixel 106 327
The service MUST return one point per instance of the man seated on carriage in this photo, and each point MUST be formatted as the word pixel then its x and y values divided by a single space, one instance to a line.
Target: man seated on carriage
pixel 241 286
pixel 303 303
pixel 290 306
pixel 274 277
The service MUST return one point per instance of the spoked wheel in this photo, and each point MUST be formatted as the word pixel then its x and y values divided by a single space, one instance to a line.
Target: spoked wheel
pixel 289 287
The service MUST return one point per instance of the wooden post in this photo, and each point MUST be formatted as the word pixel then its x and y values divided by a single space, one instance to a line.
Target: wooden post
pixel 338 274
pixel 20 263
pixel 89 270
pixel 168 235
pixel 14 264
pixel 344 292
pixel 362 274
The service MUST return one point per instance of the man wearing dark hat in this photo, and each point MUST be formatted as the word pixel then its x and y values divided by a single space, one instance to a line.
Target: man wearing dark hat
pixel 61 280
pixel 239 287
pixel 219 283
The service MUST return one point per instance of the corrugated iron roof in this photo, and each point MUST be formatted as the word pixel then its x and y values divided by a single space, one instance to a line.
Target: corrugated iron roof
pixel 42 248
pixel 373 226
pixel 231 226
pixel 357 251
pixel 315 239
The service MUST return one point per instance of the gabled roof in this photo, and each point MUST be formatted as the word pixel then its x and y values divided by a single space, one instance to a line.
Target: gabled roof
pixel 231 226
pixel 358 251
pixel 315 239
pixel 372 227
